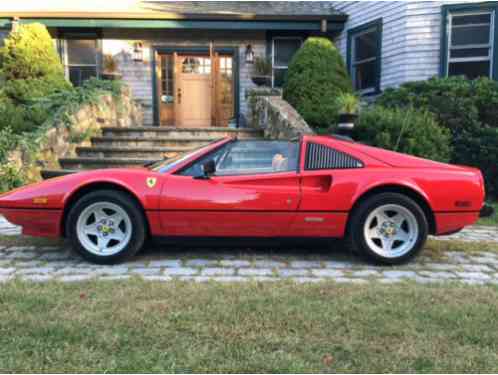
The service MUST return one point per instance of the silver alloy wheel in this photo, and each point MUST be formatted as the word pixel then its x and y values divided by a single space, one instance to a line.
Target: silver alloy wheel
pixel 391 230
pixel 104 228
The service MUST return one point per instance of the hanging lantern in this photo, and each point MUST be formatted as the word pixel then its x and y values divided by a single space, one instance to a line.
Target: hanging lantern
pixel 249 54
pixel 138 51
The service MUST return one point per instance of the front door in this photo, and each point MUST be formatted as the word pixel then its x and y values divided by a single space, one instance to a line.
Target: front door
pixel 194 99
pixel 194 90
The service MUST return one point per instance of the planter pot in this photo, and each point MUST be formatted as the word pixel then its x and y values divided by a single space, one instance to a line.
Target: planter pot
pixel 346 124
pixel 261 80
pixel 347 120
pixel 111 76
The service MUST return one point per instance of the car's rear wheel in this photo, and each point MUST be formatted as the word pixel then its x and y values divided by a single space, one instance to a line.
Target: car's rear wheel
pixel 388 228
pixel 106 227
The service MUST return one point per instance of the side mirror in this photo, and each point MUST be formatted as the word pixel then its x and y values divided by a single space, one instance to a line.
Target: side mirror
pixel 208 168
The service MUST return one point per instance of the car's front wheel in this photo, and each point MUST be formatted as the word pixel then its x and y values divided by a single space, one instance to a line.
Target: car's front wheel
pixel 106 227
pixel 388 228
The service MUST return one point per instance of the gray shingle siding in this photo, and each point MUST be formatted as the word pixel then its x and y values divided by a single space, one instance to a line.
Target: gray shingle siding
pixel 410 37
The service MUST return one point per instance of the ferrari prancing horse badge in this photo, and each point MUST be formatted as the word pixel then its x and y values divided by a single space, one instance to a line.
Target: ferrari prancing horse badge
pixel 151 181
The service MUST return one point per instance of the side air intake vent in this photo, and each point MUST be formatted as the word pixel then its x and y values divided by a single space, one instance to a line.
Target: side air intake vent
pixel 323 157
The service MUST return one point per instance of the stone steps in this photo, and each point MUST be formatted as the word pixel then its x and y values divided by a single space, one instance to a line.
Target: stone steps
pixel 130 152
pixel 98 163
pixel 154 131
pixel 150 142
pixel 135 146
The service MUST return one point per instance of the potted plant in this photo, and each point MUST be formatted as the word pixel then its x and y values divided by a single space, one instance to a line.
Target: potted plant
pixel 110 68
pixel 348 105
pixel 261 75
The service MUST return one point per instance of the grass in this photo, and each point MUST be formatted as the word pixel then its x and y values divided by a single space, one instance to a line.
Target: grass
pixel 138 326
pixel 493 220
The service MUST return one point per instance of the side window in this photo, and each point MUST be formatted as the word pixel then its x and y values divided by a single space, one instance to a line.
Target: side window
pixel 284 49
pixel 323 157
pixel 196 168
pixel 364 44
pixel 470 44
pixel 250 157
pixel 81 57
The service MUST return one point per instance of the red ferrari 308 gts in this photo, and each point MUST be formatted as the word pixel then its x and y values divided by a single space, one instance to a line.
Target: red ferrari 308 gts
pixel 383 203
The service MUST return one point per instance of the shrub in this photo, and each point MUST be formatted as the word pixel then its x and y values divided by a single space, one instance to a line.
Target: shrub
pixel 316 76
pixel 480 149
pixel 31 67
pixel 403 130
pixel 468 108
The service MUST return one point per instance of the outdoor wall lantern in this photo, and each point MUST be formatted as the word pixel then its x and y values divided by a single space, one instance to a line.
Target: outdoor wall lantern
pixel 138 51
pixel 249 54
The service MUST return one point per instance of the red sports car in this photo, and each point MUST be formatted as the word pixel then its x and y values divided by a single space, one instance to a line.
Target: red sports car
pixel 383 203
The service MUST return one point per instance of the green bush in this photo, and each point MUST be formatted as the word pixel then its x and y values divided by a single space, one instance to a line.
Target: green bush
pixel 30 69
pixel 468 108
pixel 403 130
pixel 480 149
pixel 316 76
pixel 30 65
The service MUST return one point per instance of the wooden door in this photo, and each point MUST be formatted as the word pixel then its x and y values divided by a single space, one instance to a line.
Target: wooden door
pixel 193 95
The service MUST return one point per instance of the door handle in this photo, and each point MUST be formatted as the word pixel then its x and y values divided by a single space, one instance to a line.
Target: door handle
pixel 179 96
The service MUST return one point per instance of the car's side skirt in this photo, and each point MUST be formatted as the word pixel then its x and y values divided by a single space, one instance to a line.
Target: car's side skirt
pixel 238 223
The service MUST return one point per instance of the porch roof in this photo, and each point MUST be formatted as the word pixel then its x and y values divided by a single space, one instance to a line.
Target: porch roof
pixel 250 15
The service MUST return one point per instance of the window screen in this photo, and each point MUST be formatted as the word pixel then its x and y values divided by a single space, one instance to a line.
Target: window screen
pixel 470 44
pixel 323 157
pixel 81 59
pixel 284 49
pixel 365 59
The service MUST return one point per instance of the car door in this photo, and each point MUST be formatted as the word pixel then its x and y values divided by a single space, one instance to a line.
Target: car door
pixel 254 192
pixel 325 173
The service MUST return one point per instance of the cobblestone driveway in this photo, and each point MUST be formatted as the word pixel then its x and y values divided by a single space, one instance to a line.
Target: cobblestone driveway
pixel 265 264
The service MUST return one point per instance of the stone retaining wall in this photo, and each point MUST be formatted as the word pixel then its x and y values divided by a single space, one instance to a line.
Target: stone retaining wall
pixel 270 112
pixel 61 140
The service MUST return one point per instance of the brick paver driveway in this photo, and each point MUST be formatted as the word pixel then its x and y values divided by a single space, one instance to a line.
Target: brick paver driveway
pixel 238 264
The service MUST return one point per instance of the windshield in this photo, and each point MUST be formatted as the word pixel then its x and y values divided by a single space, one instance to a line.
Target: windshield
pixel 166 165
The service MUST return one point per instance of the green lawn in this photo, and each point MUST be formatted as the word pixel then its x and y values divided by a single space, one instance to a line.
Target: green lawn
pixel 493 220
pixel 138 326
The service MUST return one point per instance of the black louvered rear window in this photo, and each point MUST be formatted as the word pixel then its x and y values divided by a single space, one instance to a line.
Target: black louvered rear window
pixel 323 157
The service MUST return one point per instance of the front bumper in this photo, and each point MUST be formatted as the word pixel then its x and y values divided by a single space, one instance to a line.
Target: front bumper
pixel 486 211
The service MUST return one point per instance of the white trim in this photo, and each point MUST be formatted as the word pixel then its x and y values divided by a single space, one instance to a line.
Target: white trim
pixel 273 66
pixel 489 46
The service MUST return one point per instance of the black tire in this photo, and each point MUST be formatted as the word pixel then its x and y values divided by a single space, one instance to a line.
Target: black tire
pixel 124 201
pixel 357 242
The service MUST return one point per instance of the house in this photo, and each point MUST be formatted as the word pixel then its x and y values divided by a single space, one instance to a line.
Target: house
pixel 190 63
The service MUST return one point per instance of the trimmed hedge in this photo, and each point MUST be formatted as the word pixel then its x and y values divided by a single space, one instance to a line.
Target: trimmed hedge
pixel 403 130
pixel 467 108
pixel 30 68
pixel 316 76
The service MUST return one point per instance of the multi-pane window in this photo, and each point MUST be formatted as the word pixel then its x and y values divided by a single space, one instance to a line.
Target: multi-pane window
pixel 470 44
pixel 167 80
pixel 226 81
pixel 196 65
pixel 81 59
pixel 284 49
pixel 364 58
